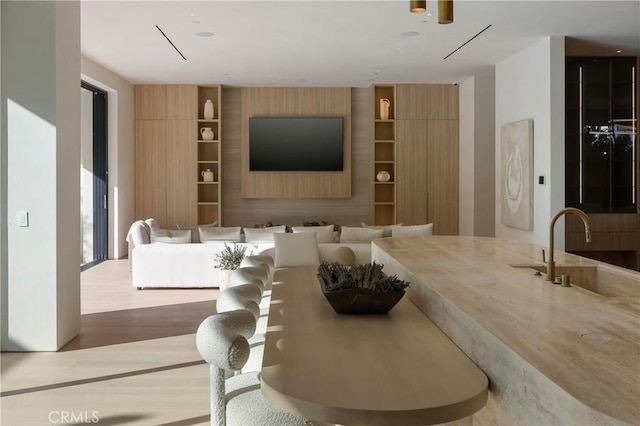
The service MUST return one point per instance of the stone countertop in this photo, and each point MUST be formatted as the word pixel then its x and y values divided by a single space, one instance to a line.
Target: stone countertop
pixel 585 343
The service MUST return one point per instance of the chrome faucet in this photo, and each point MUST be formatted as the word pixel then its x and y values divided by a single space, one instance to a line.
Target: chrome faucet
pixel 551 265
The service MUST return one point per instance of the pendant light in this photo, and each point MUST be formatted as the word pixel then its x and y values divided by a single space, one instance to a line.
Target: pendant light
pixel 445 11
pixel 417 6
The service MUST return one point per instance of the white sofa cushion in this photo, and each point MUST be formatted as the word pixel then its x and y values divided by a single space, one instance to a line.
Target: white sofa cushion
pixel 324 234
pixel 170 236
pixel 359 235
pixel 425 230
pixel 296 249
pixel 385 228
pixel 262 235
pixel 195 231
pixel 229 234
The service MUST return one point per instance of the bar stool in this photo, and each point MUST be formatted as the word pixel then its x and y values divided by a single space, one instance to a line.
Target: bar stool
pixel 238 399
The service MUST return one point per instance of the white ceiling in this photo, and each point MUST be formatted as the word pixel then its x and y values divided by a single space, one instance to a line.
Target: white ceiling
pixel 338 43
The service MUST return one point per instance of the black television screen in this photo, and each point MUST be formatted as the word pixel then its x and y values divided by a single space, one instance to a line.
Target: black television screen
pixel 295 144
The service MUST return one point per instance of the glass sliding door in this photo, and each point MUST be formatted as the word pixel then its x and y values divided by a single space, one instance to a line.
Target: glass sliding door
pixel 93 176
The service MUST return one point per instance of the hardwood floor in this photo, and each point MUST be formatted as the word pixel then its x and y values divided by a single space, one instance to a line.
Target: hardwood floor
pixel 134 362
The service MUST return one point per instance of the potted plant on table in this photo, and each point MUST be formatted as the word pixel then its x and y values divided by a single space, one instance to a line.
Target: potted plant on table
pixel 229 260
pixel 360 289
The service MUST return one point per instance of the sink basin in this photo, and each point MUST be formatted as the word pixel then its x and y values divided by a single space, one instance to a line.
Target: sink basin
pixel 581 276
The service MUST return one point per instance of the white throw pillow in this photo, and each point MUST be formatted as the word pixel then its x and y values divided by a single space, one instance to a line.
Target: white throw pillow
pixel 169 236
pixel 386 229
pixel 412 230
pixel 296 249
pixel 324 234
pixel 229 234
pixel 153 224
pixel 262 235
pixel 359 235
pixel 195 232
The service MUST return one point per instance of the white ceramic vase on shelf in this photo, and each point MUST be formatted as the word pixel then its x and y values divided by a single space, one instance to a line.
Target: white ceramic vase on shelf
pixel 383 176
pixel 207 133
pixel 207 175
pixel 208 110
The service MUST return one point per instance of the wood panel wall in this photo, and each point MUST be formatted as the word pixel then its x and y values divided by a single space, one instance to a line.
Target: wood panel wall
pixel 296 101
pixel 427 156
pixel 240 211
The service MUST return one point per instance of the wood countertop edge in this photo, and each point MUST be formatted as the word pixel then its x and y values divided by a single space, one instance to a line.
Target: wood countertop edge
pixel 343 415
pixel 561 258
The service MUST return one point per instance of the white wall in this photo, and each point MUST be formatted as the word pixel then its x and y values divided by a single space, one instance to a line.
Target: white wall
pixel 121 152
pixel 467 187
pixel 530 85
pixel 41 129
pixel 477 153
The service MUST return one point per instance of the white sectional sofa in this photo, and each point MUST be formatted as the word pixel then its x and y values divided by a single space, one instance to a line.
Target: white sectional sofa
pixel 187 264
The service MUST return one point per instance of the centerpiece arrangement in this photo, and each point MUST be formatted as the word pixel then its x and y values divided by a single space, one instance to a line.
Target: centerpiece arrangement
pixel 360 289
pixel 228 260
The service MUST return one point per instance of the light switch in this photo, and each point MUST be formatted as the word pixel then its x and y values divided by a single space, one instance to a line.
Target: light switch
pixel 541 180
pixel 22 219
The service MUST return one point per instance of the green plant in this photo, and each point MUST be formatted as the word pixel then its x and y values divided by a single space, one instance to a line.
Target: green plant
pixel 230 256
pixel 365 276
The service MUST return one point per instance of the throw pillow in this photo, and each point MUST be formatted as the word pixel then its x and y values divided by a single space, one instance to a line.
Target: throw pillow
pixel 262 235
pixel 153 224
pixel 195 232
pixel 356 234
pixel 412 230
pixel 324 234
pixel 215 233
pixel 139 233
pixel 296 249
pixel 169 236
pixel 386 229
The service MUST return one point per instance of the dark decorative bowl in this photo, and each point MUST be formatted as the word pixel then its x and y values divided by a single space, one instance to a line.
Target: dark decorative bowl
pixel 358 301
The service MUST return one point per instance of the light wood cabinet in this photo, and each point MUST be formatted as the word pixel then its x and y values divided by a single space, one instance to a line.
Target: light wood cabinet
pixel 181 102
pixel 180 168
pixel 170 154
pixel 412 172
pixel 420 144
pixel 150 173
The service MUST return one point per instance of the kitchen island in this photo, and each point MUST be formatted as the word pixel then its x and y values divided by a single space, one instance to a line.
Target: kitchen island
pixel 553 354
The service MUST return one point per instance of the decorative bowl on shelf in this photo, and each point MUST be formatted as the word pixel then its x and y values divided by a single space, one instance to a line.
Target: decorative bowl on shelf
pixel 368 290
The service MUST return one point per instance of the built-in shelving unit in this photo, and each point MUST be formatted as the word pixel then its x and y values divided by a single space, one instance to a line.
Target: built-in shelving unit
pixel 384 156
pixel 209 157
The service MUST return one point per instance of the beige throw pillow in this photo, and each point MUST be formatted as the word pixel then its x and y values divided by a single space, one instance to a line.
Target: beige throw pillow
pixel 229 234
pixel 296 249
pixel 169 236
pixel 262 235
pixel 359 235
pixel 324 234
pixel 425 230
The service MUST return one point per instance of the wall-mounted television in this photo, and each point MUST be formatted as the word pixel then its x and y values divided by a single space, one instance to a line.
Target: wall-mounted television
pixel 295 144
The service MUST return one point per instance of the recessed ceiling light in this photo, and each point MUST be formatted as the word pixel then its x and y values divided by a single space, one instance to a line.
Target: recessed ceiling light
pixel 192 14
pixel 618 51
pixel 204 34
pixel 410 34
pixel 429 14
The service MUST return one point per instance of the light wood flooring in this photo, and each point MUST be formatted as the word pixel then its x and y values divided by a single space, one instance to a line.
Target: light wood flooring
pixel 134 362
